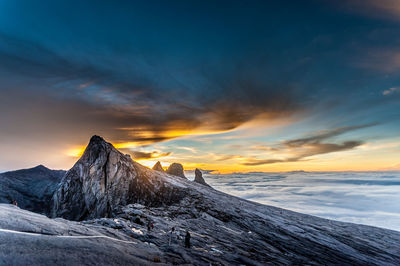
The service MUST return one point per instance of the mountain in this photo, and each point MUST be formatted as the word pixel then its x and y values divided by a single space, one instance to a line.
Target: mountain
pixel 114 200
pixel 103 179
pixel 31 188
pixel 158 167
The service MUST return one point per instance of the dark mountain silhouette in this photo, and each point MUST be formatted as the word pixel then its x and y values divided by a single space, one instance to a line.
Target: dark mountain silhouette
pixel 31 188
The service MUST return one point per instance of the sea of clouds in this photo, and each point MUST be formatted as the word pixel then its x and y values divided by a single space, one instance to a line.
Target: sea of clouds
pixel 371 198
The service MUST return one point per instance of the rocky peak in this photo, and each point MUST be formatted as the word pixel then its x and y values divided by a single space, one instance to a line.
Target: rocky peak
pixel 103 179
pixel 41 167
pixel 158 167
pixel 199 177
pixel 176 169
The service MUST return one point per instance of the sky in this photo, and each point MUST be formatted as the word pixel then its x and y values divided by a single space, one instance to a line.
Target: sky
pixel 229 86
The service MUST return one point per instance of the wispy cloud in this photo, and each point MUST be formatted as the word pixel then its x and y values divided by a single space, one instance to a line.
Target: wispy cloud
pixel 303 148
pixel 391 91
pixel 323 135
pixel 139 155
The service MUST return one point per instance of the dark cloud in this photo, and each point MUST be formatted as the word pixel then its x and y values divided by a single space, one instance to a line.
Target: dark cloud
pixel 303 148
pixel 134 106
pixel 138 155
pixel 311 150
pixel 317 138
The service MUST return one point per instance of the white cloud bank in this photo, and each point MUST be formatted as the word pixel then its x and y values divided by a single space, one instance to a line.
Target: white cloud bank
pixel 370 198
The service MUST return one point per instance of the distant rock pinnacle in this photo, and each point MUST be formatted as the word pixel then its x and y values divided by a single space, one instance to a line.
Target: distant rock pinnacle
pixel 176 169
pixel 158 167
pixel 199 177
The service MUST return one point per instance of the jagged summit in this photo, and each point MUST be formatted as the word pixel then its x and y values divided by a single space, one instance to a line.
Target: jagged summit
pixel 198 178
pixel 176 169
pixel 158 167
pixel 95 139
pixel 103 179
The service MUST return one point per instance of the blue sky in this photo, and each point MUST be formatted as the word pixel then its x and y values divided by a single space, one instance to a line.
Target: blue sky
pixel 228 85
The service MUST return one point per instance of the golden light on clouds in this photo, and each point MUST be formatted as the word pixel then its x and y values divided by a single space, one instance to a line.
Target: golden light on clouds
pixel 75 152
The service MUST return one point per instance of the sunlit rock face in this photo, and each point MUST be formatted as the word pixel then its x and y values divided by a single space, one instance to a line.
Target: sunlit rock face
pixel 102 179
pixel 199 177
pixel 158 167
pixel 176 169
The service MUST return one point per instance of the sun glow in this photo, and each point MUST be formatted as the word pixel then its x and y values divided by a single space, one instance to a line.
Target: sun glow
pixel 76 152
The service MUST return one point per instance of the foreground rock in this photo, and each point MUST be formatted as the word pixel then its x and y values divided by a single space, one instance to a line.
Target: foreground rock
pixel 31 239
pixel 176 169
pixel 198 178
pixel 31 188
pixel 158 167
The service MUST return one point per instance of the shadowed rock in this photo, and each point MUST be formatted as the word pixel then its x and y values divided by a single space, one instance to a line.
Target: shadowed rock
pixel 31 188
pixel 199 177
pixel 158 167
pixel 176 169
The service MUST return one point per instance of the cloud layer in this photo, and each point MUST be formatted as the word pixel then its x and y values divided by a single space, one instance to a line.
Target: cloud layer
pixel 359 197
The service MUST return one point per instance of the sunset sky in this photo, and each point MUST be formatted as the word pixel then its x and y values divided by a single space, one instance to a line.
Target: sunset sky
pixel 231 86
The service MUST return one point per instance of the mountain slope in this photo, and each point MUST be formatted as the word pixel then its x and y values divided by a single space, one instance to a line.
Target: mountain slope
pixel 225 229
pixel 31 239
pixel 32 188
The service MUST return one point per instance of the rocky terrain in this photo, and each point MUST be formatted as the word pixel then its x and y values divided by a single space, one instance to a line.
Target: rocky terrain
pixel 114 201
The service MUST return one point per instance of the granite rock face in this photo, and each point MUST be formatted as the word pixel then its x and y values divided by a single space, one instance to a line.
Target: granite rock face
pixel 176 169
pixel 198 178
pixel 31 188
pixel 102 179
pixel 158 167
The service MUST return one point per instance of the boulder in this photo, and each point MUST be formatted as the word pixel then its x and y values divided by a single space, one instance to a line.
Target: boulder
pixel 176 169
